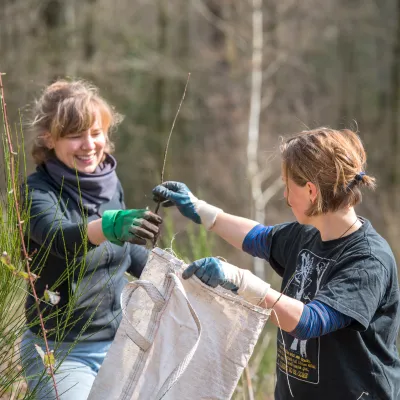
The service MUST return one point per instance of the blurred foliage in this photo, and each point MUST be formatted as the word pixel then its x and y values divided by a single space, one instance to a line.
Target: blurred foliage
pixel 190 245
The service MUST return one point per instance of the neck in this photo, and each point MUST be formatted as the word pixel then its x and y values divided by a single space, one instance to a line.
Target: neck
pixel 333 225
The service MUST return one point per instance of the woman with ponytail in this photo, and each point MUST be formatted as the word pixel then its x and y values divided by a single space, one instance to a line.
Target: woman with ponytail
pixel 339 304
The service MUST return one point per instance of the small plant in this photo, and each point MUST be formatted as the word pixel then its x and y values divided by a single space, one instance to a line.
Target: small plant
pixel 17 278
pixel 188 245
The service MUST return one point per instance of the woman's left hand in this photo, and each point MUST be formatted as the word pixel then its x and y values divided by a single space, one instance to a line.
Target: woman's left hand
pixel 134 226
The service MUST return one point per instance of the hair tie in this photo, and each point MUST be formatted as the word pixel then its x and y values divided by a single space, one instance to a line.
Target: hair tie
pixel 359 177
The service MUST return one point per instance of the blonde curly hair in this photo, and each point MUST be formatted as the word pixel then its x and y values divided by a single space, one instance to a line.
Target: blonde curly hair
pixel 66 107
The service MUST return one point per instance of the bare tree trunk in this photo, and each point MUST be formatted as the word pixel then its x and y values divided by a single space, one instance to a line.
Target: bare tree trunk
pixel 53 17
pixel 394 120
pixel 7 34
pixel 160 85
pixel 256 175
pixel 390 197
pixel 254 122
pixel 382 95
pixel 72 61
pixel 88 32
pixel 346 49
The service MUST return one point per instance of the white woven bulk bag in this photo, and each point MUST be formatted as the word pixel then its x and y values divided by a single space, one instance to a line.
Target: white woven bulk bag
pixel 178 339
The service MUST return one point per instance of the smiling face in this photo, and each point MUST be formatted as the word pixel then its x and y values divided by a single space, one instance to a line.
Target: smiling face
pixel 82 150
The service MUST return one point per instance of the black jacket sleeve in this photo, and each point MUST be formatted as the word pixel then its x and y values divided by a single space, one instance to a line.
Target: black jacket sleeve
pixel 50 227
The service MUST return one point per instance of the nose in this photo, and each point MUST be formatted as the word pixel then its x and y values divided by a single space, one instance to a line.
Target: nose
pixel 88 142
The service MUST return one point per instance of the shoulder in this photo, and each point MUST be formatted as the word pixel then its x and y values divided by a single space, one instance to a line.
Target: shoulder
pixel 39 185
pixel 375 248
pixel 35 178
pixel 274 232
pixel 367 256
pixel 40 180
pixel 293 231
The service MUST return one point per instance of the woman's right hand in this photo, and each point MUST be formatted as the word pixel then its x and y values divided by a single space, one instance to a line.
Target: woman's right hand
pixel 134 226
pixel 178 194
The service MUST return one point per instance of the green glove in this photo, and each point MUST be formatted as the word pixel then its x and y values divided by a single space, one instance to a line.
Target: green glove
pixel 134 226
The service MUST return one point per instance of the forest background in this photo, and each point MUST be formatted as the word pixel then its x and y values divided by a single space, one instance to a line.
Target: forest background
pixel 260 70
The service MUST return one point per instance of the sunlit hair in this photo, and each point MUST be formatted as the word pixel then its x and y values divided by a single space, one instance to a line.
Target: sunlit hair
pixel 65 108
pixel 330 159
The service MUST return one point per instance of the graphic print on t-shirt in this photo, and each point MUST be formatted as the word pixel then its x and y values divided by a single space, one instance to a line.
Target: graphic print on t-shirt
pixel 302 356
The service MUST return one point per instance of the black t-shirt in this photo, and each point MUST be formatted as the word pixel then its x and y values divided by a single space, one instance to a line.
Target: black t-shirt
pixel 356 275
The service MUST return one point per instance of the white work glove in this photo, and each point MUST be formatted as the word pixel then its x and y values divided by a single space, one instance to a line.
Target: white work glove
pixel 213 272
pixel 178 194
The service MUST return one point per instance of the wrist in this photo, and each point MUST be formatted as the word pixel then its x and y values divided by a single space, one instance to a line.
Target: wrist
pixel 95 232
pixel 208 213
pixel 252 288
pixel 108 223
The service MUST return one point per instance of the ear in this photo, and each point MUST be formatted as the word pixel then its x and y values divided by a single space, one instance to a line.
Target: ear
pixel 48 141
pixel 312 190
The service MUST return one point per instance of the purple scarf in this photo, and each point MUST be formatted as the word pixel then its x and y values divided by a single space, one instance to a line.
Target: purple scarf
pixel 93 189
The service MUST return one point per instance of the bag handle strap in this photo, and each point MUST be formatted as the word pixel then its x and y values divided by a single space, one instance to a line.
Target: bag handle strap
pixel 154 295
pixel 159 303
pixel 181 367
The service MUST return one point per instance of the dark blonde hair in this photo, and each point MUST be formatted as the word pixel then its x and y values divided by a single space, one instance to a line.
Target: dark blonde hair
pixel 334 161
pixel 69 107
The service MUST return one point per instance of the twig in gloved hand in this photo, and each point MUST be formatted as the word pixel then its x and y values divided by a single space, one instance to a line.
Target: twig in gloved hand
pixel 166 150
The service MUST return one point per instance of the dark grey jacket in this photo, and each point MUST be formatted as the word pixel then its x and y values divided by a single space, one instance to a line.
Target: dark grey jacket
pixel 56 236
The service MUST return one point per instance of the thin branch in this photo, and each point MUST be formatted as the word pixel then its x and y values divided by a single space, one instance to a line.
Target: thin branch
pixel 21 233
pixel 172 128
pixel 268 97
pixel 270 192
pixel 219 23
pixel 273 67
pixel 258 179
pixel 166 150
